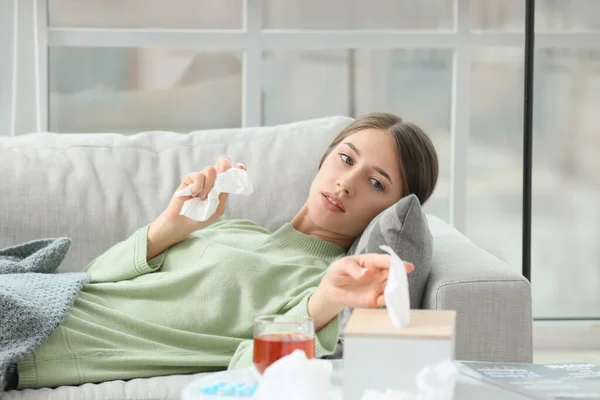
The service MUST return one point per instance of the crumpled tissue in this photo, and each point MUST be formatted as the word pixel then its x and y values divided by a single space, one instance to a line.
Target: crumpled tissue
pixel 434 382
pixel 233 181
pixel 397 299
pixel 295 377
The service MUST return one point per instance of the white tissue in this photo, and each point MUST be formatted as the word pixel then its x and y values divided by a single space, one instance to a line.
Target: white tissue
pixel 388 395
pixel 434 382
pixel 234 181
pixel 396 295
pixel 294 377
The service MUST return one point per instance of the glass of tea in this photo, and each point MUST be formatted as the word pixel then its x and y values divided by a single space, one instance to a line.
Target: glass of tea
pixel 276 336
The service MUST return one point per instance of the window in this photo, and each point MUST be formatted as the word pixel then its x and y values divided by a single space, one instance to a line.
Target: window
pixel 454 67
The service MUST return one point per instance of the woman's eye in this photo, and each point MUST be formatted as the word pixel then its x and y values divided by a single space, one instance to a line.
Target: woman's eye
pixel 378 185
pixel 346 158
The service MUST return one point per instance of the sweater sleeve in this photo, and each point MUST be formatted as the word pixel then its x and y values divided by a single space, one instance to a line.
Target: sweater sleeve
pixel 325 339
pixel 125 260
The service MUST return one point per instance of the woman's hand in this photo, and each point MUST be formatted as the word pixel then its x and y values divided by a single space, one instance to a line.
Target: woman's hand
pixel 352 281
pixel 170 227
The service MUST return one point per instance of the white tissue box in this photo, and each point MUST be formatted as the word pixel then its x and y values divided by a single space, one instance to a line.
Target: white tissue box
pixel 379 356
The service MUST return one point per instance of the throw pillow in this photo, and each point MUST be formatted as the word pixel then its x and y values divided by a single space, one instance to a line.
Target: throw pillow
pixel 403 227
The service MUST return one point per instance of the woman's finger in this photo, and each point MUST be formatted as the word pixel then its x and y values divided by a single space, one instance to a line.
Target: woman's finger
pixel 187 181
pixel 222 202
pixel 380 301
pixel 198 184
pixel 373 260
pixel 223 164
pixel 210 174
pixel 384 275
pixel 240 166
pixel 353 269
pixel 382 261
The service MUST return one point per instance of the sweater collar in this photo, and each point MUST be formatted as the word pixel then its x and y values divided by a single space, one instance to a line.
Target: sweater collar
pixel 291 238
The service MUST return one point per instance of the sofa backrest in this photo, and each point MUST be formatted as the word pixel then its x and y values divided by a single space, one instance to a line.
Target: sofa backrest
pixel 97 189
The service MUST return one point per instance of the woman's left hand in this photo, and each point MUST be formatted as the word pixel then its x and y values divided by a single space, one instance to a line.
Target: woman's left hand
pixel 352 281
pixel 359 281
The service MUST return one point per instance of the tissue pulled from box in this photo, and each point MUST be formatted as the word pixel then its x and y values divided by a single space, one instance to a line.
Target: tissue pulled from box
pixel 397 299
pixel 295 377
pixel 434 382
pixel 233 181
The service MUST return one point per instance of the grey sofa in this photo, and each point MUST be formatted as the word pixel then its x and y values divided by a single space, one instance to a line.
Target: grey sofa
pixel 98 188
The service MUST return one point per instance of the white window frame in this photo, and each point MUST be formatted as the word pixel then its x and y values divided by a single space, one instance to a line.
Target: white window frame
pixel 252 41
pixel 33 19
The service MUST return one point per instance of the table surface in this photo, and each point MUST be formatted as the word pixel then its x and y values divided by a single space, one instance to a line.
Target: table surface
pixel 466 388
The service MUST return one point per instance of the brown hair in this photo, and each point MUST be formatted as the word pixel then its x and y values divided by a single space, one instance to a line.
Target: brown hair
pixel 418 159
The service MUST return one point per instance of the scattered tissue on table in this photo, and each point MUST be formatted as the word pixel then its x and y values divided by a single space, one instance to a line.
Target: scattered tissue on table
pixel 434 382
pixel 295 377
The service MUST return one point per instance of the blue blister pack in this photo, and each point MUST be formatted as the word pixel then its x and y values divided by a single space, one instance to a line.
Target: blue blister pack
pixel 237 384
pixel 229 389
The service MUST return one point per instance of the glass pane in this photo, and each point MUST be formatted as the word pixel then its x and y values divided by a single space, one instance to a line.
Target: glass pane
pixel 128 90
pixel 566 184
pixel 494 15
pixel 173 14
pixel 297 85
pixel 550 15
pixel 415 84
pixel 360 14
pixel 567 15
pixel 494 171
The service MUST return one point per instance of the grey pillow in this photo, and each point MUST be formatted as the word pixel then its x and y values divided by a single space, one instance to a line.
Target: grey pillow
pixel 403 227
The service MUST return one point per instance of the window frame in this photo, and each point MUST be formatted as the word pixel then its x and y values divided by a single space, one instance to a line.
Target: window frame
pixel 36 37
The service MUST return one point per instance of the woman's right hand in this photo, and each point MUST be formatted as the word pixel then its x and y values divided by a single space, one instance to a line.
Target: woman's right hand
pixel 170 227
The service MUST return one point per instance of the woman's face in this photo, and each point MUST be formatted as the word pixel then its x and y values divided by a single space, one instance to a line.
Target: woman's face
pixel 358 179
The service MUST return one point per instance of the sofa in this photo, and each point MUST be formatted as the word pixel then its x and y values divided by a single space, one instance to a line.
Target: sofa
pixel 97 189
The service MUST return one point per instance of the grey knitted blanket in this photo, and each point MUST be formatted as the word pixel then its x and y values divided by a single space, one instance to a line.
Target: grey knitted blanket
pixel 34 299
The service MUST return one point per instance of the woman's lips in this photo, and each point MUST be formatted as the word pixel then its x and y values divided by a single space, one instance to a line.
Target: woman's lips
pixel 329 205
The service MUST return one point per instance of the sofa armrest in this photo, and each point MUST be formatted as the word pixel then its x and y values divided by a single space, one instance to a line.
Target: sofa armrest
pixel 492 300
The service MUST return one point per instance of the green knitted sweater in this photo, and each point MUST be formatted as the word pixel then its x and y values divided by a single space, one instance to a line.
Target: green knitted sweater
pixel 189 309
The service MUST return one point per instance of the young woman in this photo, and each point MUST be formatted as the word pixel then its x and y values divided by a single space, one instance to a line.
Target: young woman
pixel 180 296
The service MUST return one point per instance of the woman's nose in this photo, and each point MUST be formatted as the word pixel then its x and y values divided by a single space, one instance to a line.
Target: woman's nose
pixel 347 182
pixel 346 187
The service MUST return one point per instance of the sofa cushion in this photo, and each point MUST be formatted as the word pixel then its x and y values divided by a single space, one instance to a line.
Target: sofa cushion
pixel 156 388
pixel 403 227
pixel 99 188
